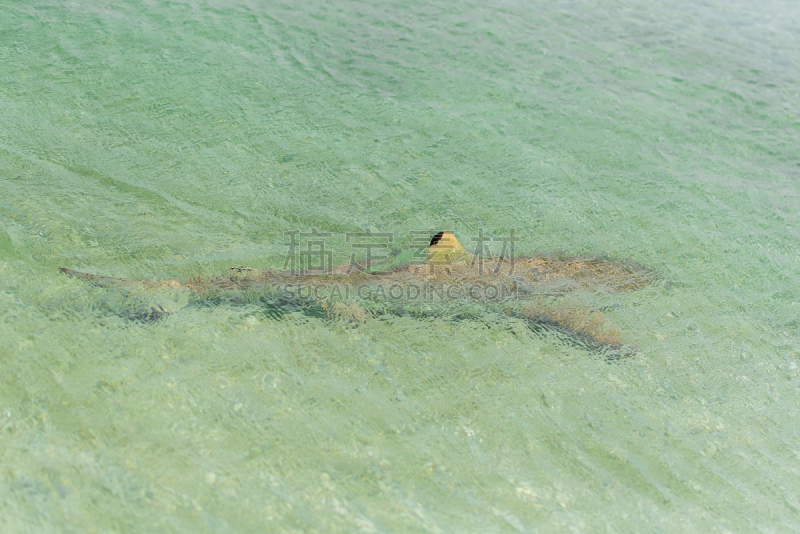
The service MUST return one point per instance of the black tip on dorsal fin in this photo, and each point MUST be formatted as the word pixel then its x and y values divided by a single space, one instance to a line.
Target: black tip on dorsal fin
pixel 436 238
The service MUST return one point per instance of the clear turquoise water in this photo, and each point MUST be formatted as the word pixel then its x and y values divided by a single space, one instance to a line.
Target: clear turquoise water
pixel 168 140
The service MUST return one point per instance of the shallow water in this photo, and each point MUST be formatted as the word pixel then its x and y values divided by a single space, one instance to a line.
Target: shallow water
pixel 144 139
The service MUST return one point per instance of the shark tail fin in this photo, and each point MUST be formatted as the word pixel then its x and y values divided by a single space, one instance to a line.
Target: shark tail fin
pixel 119 283
pixel 97 280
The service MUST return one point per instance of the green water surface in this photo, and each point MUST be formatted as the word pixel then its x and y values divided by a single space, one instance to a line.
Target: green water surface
pixel 177 139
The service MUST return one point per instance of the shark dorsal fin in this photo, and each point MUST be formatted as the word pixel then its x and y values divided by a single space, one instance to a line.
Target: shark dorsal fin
pixel 445 248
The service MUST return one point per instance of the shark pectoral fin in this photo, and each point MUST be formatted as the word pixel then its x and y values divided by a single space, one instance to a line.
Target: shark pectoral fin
pixel 140 313
pixel 583 328
pixel 348 312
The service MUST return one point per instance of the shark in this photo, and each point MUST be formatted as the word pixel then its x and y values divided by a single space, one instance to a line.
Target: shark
pixel 449 283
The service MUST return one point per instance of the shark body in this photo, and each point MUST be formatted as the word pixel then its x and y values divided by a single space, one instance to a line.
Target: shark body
pixel 452 283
